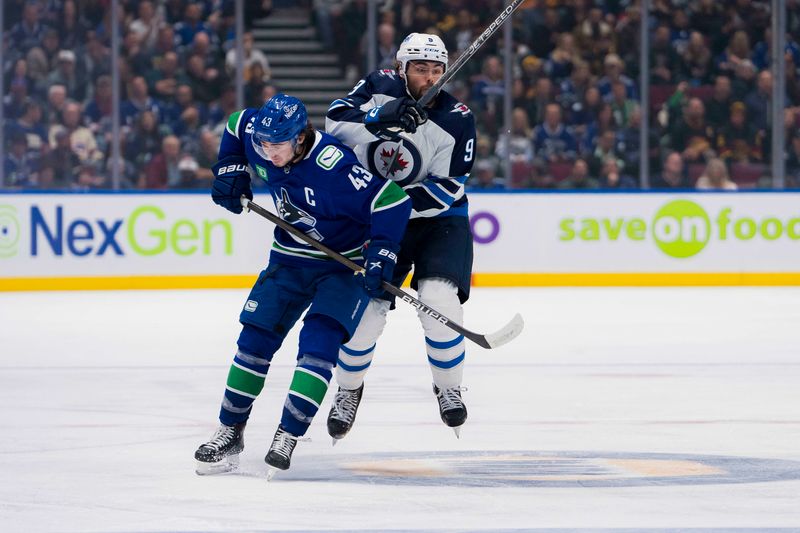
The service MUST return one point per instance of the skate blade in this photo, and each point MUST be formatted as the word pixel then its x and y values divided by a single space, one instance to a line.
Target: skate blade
pixel 457 431
pixel 227 464
pixel 271 473
pixel 334 441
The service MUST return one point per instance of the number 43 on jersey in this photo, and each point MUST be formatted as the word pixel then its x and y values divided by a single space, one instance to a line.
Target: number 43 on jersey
pixel 359 177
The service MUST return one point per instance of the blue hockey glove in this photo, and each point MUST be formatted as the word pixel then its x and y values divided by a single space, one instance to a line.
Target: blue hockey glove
pixel 231 181
pixel 380 257
pixel 386 121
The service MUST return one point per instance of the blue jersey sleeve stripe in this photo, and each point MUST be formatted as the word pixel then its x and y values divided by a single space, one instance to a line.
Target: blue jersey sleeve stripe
pixel 422 197
pixel 454 179
pixel 439 193
pixel 454 189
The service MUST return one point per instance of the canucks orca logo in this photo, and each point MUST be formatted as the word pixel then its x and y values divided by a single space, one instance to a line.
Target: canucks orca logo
pixel 296 216
pixel 403 168
pixel 289 110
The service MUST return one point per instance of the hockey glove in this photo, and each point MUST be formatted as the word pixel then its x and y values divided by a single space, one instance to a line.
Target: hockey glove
pixel 380 257
pixel 387 120
pixel 231 181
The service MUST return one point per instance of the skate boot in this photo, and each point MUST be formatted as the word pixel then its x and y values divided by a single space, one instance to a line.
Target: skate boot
pixel 451 407
pixel 343 412
pixel 221 453
pixel 279 456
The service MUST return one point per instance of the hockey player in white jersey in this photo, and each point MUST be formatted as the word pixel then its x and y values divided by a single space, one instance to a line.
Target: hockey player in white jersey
pixel 436 145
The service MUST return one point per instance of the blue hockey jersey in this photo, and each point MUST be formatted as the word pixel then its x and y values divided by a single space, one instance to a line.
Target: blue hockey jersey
pixel 434 163
pixel 328 195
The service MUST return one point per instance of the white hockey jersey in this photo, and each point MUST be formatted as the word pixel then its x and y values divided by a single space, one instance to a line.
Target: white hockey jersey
pixel 434 162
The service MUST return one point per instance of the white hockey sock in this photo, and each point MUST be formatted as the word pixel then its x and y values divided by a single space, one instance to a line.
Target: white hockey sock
pixel 356 356
pixel 445 347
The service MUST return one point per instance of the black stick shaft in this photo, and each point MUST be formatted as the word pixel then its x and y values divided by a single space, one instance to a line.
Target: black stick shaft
pixel 478 339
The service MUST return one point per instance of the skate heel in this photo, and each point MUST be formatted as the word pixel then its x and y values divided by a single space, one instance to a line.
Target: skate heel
pixel 226 464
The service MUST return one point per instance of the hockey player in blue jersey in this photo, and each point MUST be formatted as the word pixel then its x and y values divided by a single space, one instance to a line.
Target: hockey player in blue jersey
pixel 318 186
pixel 434 160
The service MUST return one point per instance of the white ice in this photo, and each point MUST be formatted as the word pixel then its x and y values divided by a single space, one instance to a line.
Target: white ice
pixel 104 397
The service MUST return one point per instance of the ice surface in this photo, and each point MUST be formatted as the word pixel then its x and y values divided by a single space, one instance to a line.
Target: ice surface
pixel 616 409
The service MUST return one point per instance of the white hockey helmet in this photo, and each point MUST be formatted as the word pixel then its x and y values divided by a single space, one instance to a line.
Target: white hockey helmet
pixel 421 47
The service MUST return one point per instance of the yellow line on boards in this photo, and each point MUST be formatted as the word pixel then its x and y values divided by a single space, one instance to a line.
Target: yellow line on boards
pixel 126 283
pixel 637 279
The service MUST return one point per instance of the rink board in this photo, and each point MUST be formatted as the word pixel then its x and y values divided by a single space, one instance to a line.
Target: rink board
pixel 147 241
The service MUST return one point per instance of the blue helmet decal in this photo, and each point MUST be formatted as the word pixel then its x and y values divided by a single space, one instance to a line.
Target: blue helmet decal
pixel 281 119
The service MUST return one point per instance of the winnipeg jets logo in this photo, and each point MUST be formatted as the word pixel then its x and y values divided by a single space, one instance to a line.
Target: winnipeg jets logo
pixel 387 72
pixel 461 108
pixel 296 216
pixel 403 167
pixel 289 111
pixel 398 164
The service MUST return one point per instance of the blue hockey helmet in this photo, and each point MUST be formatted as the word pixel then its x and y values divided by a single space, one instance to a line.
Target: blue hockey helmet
pixel 282 118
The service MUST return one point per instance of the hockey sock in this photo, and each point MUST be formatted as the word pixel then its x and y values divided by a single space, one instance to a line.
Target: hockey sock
pixel 319 342
pixel 247 373
pixel 356 356
pixel 445 348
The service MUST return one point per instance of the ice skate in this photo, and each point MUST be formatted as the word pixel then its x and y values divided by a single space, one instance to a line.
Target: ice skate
pixel 343 412
pixel 221 453
pixel 451 407
pixel 279 456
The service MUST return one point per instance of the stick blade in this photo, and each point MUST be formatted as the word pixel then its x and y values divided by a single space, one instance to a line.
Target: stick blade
pixel 506 334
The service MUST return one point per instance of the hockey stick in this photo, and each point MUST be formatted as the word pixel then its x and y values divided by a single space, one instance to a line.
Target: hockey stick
pixel 469 52
pixel 431 93
pixel 492 340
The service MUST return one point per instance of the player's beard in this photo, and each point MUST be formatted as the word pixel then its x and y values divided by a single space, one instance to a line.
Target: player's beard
pixel 419 93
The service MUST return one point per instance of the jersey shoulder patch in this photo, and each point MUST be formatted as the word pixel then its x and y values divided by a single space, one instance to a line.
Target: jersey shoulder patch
pixel 452 116
pixel 329 156
pixel 459 107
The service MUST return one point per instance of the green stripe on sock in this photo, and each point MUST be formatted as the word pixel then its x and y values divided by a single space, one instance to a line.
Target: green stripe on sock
pixel 309 385
pixel 244 381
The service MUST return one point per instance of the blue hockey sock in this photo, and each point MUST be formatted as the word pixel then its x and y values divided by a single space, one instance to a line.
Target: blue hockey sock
pixel 247 373
pixel 319 344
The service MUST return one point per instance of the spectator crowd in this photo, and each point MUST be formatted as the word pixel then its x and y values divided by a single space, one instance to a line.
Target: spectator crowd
pixel 176 68
pixel 575 89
